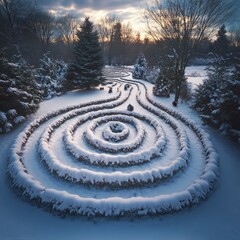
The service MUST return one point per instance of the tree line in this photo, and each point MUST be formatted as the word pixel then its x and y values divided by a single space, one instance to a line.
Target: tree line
pixel 178 31
pixel 25 25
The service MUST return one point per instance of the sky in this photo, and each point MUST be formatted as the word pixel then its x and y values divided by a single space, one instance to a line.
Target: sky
pixel 127 10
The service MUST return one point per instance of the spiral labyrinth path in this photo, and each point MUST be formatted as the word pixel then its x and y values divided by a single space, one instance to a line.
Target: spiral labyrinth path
pixel 99 158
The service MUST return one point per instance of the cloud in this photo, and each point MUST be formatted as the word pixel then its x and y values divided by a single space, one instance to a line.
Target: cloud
pixel 126 10
pixel 92 4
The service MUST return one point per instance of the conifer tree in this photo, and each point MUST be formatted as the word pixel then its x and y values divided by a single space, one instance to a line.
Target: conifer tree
pixel 164 84
pixel 140 68
pixel 51 75
pixel 86 70
pixel 218 97
pixel 162 87
pixel 19 92
pixel 221 45
pixel 117 44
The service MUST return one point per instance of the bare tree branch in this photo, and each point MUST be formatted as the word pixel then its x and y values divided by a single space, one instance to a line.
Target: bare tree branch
pixel 183 24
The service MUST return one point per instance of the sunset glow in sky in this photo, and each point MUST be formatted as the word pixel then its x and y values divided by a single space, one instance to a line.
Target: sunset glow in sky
pixel 126 10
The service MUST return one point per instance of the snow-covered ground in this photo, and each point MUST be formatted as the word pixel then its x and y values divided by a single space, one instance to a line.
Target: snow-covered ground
pixel 195 75
pixel 216 218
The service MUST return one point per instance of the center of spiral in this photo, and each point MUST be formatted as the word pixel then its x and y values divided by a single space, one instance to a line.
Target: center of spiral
pixel 115 131
pixel 116 127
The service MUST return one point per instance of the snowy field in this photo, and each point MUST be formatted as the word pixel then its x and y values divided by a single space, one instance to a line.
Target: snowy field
pixel 195 75
pixel 169 178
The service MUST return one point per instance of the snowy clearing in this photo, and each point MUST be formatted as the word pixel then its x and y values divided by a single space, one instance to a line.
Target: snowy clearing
pixel 195 75
pixel 63 159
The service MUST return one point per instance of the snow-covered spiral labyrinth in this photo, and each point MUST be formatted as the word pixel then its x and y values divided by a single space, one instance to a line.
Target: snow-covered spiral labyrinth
pixel 98 158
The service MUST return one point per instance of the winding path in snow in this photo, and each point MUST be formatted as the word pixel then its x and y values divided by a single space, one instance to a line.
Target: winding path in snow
pixel 99 158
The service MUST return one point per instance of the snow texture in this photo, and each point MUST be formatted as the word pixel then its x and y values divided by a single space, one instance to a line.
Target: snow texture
pixel 145 164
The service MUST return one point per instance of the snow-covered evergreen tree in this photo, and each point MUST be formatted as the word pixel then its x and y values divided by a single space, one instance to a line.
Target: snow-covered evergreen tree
pixel 86 71
pixel 218 98
pixel 140 68
pixel 164 84
pixel 51 75
pixel 152 75
pixel 19 92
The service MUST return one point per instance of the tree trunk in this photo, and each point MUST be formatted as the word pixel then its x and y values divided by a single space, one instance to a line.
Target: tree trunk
pixel 177 94
pixel 178 86
pixel 110 54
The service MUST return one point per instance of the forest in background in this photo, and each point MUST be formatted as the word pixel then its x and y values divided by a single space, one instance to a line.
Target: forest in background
pixel 38 47
pixel 35 32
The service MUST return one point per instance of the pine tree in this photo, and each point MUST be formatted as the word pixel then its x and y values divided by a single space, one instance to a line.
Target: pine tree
pixel 218 97
pixel 51 75
pixel 164 84
pixel 140 68
pixel 221 45
pixel 208 94
pixel 19 92
pixel 86 70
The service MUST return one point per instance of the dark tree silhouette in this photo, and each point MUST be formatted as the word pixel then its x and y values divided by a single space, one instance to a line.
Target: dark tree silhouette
pixel 86 70
pixel 183 24
pixel 117 44
pixel 221 45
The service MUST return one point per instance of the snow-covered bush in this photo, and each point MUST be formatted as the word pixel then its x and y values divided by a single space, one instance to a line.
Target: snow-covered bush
pixel 152 75
pixel 19 92
pixel 50 75
pixel 9 119
pixel 164 84
pixel 218 98
pixel 140 68
pixel 162 87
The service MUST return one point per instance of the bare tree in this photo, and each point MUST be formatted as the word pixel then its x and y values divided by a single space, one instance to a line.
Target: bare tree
pixel 127 42
pixel 183 24
pixel 117 44
pixel 43 27
pixel 127 33
pixel 12 15
pixel 67 26
pixel 105 28
pixel 235 36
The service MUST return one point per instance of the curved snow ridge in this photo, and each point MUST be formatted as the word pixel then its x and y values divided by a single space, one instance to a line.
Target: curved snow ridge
pixel 211 169
pixel 114 131
pixel 106 159
pixel 35 124
pixel 114 178
pixel 67 197
pixel 141 156
pixel 64 201
pixel 118 73
pixel 16 168
pixel 110 140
